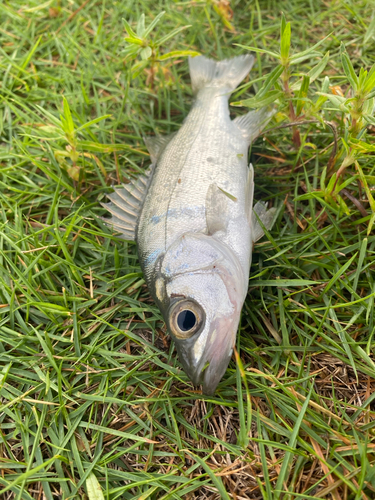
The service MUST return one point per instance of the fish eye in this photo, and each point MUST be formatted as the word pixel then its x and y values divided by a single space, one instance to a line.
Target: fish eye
pixel 186 318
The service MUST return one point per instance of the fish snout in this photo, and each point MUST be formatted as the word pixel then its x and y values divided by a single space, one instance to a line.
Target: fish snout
pixel 210 366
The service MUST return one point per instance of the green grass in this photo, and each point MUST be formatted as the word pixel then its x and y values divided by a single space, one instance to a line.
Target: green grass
pixel 90 385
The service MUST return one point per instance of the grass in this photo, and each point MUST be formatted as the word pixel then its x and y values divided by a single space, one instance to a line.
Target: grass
pixel 91 390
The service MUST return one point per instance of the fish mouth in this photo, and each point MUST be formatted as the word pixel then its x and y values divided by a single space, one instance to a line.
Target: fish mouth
pixel 214 360
pixel 209 374
pixel 212 374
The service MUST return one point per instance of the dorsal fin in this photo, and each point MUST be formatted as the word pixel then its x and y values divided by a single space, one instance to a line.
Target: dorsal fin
pixel 156 145
pixel 126 204
pixel 251 124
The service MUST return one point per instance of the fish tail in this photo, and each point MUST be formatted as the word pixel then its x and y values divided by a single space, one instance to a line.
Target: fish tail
pixel 226 74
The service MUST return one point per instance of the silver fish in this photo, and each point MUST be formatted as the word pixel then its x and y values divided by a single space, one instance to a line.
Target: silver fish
pixel 191 215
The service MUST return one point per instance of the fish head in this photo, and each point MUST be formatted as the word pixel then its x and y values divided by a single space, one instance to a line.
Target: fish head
pixel 204 289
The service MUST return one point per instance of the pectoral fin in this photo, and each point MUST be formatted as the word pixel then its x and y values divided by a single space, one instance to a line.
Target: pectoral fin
pixel 217 200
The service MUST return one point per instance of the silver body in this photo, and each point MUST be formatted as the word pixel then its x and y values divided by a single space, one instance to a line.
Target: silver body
pixel 193 221
pixel 208 149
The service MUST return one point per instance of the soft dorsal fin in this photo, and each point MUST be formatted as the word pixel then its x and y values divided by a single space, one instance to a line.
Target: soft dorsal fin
pixel 156 145
pixel 251 124
pixel 126 204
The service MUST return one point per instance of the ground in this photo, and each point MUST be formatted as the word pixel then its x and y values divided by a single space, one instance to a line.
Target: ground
pixel 91 389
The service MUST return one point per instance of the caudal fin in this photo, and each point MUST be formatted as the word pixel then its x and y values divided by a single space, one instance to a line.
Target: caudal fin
pixel 226 74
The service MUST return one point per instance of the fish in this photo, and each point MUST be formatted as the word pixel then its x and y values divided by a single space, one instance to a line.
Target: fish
pixel 191 214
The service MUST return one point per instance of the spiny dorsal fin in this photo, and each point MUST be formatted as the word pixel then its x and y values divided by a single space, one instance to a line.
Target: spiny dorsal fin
pixel 156 145
pixel 126 205
pixel 251 124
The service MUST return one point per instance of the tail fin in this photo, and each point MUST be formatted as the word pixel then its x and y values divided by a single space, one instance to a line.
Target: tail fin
pixel 226 74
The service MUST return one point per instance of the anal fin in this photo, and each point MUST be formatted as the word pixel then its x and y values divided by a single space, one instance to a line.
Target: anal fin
pixel 251 124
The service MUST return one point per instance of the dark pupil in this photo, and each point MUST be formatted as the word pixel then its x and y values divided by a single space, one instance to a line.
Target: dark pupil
pixel 186 320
